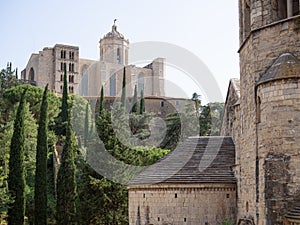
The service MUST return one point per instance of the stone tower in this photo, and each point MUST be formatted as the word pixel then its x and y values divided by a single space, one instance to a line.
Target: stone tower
pixel 114 47
pixel 266 129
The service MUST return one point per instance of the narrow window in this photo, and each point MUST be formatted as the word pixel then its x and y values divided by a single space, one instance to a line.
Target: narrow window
pixel 144 196
pixel 247 19
pixel 162 104
pixel 61 66
pixel 70 55
pixel 158 219
pixel 184 219
pixel 295 7
pixel 247 206
pixel 282 9
pixel 175 195
pixel 227 195
pixel 62 54
pixel 61 77
pixel 258 110
pixel 70 67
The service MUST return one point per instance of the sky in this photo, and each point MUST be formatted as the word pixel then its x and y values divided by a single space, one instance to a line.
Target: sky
pixel 208 30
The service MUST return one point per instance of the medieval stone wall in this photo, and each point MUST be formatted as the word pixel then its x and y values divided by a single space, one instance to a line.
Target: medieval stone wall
pixel 257 53
pixel 278 147
pixel 182 204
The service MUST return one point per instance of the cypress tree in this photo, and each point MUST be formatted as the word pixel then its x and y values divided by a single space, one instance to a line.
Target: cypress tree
pixel 16 177
pixel 66 182
pixel 40 193
pixel 142 103
pixel 123 97
pixel 101 101
pixel 64 103
pixel 135 101
pixel 86 125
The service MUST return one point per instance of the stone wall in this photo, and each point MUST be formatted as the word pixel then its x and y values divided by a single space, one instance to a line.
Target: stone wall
pixel 257 53
pixel 182 204
pixel 278 148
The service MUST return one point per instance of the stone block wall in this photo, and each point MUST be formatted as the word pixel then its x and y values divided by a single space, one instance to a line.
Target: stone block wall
pixel 278 147
pixel 257 54
pixel 182 204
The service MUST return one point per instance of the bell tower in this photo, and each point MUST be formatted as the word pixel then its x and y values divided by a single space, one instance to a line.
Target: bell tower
pixel 114 47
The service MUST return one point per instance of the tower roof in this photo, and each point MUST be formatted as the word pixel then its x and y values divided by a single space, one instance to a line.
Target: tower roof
pixel 197 160
pixel 285 66
pixel 114 33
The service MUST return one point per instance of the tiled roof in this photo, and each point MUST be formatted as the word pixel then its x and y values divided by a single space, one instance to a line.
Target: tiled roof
pixel 285 66
pixel 294 213
pixel 197 160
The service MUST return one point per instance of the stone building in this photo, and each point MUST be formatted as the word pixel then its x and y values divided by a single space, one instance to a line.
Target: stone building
pixel 262 113
pixel 85 77
pixel 193 185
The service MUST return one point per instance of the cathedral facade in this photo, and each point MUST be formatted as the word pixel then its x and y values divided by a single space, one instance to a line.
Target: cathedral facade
pixel 86 77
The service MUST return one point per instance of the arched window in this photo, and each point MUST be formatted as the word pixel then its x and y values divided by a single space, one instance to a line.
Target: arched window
pixel 141 84
pixel 112 85
pixel 31 74
pixel 118 55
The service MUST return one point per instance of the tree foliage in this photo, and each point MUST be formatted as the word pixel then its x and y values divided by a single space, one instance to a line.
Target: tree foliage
pixel 135 101
pixel 40 194
pixel 16 177
pixel 142 103
pixel 123 96
pixel 66 181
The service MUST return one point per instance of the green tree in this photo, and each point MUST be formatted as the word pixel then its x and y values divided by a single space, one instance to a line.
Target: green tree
pixel 210 119
pixel 16 177
pixel 142 103
pixel 8 78
pixel 40 194
pixel 64 104
pixel 135 101
pixel 86 125
pixel 101 100
pixel 66 181
pixel 123 97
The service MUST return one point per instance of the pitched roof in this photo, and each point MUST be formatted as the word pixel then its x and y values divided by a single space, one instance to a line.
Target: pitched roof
pixel 285 66
pixel 197 160
pixel 294 213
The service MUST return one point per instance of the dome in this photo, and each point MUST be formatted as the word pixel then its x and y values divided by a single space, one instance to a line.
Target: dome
pixel 114 33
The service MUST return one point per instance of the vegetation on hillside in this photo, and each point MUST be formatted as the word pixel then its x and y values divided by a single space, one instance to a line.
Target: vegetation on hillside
pixel 89 197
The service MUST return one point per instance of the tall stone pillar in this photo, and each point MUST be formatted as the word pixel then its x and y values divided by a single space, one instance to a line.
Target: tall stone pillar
pixel 289 8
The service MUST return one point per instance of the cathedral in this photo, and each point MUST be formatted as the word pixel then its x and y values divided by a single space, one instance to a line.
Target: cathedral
pixel 86 77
